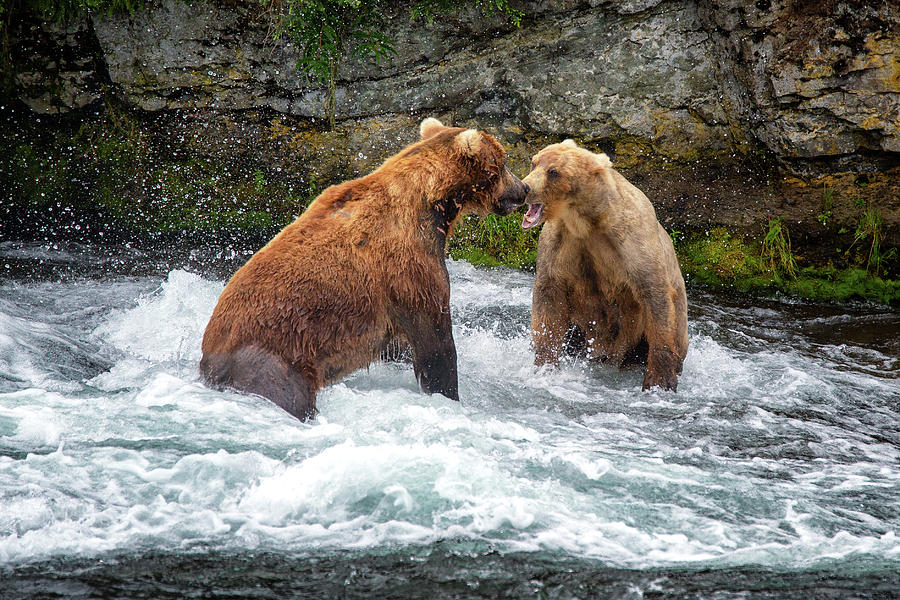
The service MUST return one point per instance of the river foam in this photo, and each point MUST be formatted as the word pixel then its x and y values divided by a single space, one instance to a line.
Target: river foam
pixel 767 455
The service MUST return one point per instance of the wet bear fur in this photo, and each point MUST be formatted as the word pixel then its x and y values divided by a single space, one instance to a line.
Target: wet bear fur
pixel 361 269
pixel 607 276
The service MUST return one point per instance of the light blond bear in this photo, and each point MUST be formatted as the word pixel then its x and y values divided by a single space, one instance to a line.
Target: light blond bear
pixel 361 269
pixel 608 282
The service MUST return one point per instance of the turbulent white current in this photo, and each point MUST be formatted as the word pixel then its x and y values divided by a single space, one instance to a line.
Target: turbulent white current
pixel 781 446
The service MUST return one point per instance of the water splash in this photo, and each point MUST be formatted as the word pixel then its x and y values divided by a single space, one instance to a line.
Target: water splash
pixel 776 451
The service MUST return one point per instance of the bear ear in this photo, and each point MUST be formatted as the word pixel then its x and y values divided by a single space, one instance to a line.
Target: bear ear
pixel 570 142
pixel 469 142
pixel 602 160
pixel 429 127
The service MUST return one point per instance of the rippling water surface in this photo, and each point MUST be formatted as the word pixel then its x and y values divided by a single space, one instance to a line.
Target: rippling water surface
pixel 773 472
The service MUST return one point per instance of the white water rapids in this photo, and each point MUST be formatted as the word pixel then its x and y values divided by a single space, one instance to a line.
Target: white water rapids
pixel 781 446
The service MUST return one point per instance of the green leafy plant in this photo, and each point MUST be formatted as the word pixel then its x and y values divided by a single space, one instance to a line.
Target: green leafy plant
pixel 429 8
pixel 869 227
pixel 326 31
pixel 259 180
pixel 776 249
pixel 826 207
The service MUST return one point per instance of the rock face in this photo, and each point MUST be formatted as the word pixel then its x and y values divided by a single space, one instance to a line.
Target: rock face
pixel 813 79
pixel 803 80
pixel 58 67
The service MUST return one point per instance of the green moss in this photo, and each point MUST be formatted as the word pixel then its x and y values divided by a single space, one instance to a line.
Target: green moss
pixel 844 284
pixel 721 260
pixel 475 256
pixel 717 258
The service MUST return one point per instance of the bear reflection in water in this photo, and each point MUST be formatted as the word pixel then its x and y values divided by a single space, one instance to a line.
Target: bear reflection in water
pixel 359 271
pixel 608 282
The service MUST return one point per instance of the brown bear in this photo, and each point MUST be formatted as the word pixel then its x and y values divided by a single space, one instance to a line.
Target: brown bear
pixel 361 268
pixel 607 281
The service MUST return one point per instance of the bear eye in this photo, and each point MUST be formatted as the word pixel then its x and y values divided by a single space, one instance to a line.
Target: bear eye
pixel 552 173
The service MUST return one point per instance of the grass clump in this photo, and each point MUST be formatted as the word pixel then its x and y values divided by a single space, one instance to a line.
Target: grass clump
pixel 493 241
pixel 870 235
pixel 776 250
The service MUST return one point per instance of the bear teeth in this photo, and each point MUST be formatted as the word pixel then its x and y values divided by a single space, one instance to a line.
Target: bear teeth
pixel 533 216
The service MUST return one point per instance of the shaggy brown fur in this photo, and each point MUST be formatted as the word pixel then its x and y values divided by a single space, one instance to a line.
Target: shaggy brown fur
pixel 606 268
pixel 362 267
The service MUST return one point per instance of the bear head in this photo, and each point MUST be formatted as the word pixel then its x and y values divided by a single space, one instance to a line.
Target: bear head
pixel 473 163
pixel 558 174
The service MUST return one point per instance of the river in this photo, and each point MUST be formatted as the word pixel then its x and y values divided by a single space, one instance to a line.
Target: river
pixel 773 472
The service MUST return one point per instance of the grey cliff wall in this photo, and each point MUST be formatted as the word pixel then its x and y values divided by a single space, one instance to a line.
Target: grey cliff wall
pixel 802 80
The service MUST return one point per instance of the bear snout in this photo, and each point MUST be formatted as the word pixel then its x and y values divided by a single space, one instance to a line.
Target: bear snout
pixel 513 196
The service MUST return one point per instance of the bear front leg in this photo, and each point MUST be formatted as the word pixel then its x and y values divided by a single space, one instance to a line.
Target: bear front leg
pixel 663 367
pixel 549 323
pixel 434 354
pixel 436 371
pixel 663 362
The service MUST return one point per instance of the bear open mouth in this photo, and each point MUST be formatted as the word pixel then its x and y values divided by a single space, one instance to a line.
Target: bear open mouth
pixel 533 216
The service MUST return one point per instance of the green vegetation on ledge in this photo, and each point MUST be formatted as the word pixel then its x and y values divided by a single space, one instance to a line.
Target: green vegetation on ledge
pixel 493 241
pixel 764 266
pixel 121 175
pixel 718 259
pixel 109 176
